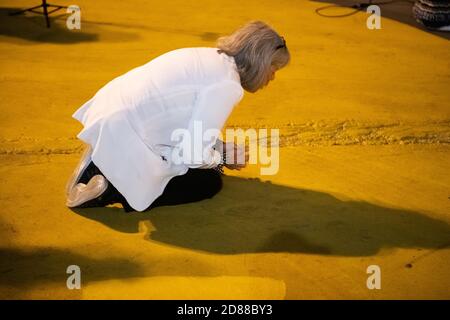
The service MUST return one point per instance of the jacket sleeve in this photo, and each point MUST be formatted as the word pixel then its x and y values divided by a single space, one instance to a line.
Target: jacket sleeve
pixel 212 108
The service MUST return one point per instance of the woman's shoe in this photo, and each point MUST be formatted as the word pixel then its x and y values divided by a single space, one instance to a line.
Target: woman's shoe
pixel 79 170
pixel 82 193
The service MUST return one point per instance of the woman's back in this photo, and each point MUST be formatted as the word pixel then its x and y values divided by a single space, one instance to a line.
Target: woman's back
pixel 170 83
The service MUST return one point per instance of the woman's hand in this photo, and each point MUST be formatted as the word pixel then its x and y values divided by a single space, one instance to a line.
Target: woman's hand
pixel 236 156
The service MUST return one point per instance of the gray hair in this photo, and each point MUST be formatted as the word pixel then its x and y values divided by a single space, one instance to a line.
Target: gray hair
pixel 254 48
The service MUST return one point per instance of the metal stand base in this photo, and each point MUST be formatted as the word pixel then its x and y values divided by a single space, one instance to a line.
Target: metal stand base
pixel 44 11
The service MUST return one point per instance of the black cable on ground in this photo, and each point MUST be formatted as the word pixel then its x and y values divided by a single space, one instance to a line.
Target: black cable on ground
pixel 357 7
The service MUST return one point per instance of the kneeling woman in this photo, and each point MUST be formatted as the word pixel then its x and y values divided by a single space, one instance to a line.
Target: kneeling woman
pixel 129 123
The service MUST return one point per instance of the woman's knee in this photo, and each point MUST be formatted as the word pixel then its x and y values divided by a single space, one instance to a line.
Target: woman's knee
pixel 199 184
pixel 214 184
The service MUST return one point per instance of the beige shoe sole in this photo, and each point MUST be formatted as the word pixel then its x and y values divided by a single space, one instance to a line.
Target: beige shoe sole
pixel 82 193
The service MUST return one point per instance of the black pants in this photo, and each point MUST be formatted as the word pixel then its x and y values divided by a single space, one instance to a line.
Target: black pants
pixel 195 185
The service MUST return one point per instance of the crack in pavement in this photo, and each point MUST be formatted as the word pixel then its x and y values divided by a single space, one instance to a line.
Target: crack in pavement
pixel 311 133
